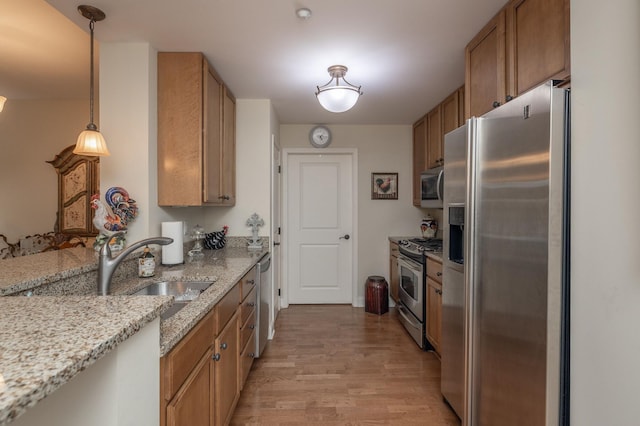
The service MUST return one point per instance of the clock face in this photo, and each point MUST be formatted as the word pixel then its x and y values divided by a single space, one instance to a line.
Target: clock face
pixel 320 137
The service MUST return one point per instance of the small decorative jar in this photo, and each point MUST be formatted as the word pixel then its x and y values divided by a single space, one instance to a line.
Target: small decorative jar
pixel 429 227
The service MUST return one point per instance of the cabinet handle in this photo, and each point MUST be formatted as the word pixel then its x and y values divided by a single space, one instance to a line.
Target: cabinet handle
pixel 509 98
pixel 224 197
pixel 223 346
pixel 496 104
pixel 252 304
pixel 439 274
pixel 251 355
pixel 252 326
pixel 216 357
pixel 251 281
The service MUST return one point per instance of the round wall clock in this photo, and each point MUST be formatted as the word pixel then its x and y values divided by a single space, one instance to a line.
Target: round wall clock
pixel 320 136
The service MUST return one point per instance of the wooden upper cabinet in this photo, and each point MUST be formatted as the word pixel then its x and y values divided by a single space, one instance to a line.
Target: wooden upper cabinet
pixel 524 45
pixel 485 73
pixel 435 153
pixel 419 157
pixel 461 105
pixel 538 43
pixel 196 133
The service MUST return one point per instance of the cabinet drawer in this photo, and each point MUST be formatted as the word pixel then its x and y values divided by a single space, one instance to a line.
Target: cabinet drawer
pixel 178 363
pixel 248 282
pixel 248 306
pixel 246 359
pixel 227 306
pixel 393 249
pixel 247 329
pixel 434 269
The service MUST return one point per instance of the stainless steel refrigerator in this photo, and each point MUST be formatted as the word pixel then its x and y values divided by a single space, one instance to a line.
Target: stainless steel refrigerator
pixel 505 284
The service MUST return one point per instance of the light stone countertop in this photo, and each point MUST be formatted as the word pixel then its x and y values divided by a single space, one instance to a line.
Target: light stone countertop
pixel 24 320
pixel 28 272
pixel 45 341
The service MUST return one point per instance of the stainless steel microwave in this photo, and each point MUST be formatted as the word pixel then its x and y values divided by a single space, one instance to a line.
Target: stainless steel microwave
pixel 432 193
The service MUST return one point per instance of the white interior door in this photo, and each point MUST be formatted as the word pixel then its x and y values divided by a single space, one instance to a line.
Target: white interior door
pixel 319 227
pixel 276 223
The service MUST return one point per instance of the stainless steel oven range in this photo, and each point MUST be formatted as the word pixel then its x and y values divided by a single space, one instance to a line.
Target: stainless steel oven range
pixel 412 291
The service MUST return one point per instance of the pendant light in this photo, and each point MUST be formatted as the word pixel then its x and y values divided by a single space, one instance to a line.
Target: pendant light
pixel 337 97
pixel 91 142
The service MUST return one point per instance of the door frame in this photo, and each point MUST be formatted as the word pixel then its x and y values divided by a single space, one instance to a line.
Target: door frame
pixel 353 153
pixel 275 237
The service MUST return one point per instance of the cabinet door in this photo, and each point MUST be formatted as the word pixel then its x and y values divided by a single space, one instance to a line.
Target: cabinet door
pixel 193 404
pixel 226 389
pixel 461 116
pixel 419 154
pixel 246 359
pixel 434 313
pixel 451 118
pixel 214 89
pixel 485 74
pixel 180 124
pixel 538 40
pixel 434 138
pixel 394 278
pixel 228 165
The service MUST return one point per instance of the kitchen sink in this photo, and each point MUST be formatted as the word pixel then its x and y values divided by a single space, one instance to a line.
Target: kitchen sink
pixel 183 292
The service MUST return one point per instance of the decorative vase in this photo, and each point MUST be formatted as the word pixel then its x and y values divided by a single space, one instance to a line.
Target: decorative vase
pixel 429 227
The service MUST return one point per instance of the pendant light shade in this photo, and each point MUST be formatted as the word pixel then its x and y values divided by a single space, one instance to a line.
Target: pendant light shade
pixel 91 142
pixel 337 96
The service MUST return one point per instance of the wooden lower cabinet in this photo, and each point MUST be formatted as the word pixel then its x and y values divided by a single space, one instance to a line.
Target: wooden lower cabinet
pixel 394 278
pixel 227 390
pixel 193 404
pixel 201 377
pixel 434 313
pixel 433 331
pixel 246 358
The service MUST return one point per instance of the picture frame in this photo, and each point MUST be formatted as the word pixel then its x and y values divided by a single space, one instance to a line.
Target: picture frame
pixel 384 186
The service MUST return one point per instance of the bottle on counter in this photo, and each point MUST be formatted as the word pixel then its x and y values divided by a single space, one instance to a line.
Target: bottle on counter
pixel 146 264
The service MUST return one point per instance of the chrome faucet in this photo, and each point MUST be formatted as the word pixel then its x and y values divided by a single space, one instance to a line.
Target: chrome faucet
pixel 107 264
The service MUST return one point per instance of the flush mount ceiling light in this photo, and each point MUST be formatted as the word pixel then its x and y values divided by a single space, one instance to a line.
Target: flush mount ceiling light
pixel 337 97
pixel 2 101
pixel 303 13
pixel 91 142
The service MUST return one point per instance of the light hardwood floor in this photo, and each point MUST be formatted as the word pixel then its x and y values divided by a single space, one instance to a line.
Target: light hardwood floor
pixel 337 365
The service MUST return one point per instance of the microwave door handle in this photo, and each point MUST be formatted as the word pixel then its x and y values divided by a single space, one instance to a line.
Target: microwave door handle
pixel 439 184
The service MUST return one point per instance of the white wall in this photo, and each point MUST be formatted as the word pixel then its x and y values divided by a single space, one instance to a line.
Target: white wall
pixel 605 229
pixel 31 133
pixel 253 162
pixel 380 149
pixel 128 121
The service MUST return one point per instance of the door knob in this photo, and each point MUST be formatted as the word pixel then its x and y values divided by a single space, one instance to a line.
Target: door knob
pixel 345 236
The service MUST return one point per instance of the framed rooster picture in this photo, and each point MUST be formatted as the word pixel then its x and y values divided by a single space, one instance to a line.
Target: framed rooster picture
pixel 384 186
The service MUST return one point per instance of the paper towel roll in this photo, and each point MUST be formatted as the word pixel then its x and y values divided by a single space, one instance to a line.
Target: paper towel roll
pixel 172 254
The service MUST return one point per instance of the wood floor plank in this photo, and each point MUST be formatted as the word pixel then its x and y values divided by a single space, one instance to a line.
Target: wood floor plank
pixel 338 365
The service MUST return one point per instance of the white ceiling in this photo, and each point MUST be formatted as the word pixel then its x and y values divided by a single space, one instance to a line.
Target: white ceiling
pixel 406 54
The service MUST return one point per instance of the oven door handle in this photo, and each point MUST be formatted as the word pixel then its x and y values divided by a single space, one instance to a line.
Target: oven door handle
pixel 407 318
pixel 409 264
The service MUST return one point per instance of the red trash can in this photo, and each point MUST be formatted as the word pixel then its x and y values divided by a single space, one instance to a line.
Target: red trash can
pixel 376 299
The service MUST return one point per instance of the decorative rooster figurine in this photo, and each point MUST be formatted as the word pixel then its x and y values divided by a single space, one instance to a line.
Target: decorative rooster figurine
pixel 216 240
pixel 115 215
